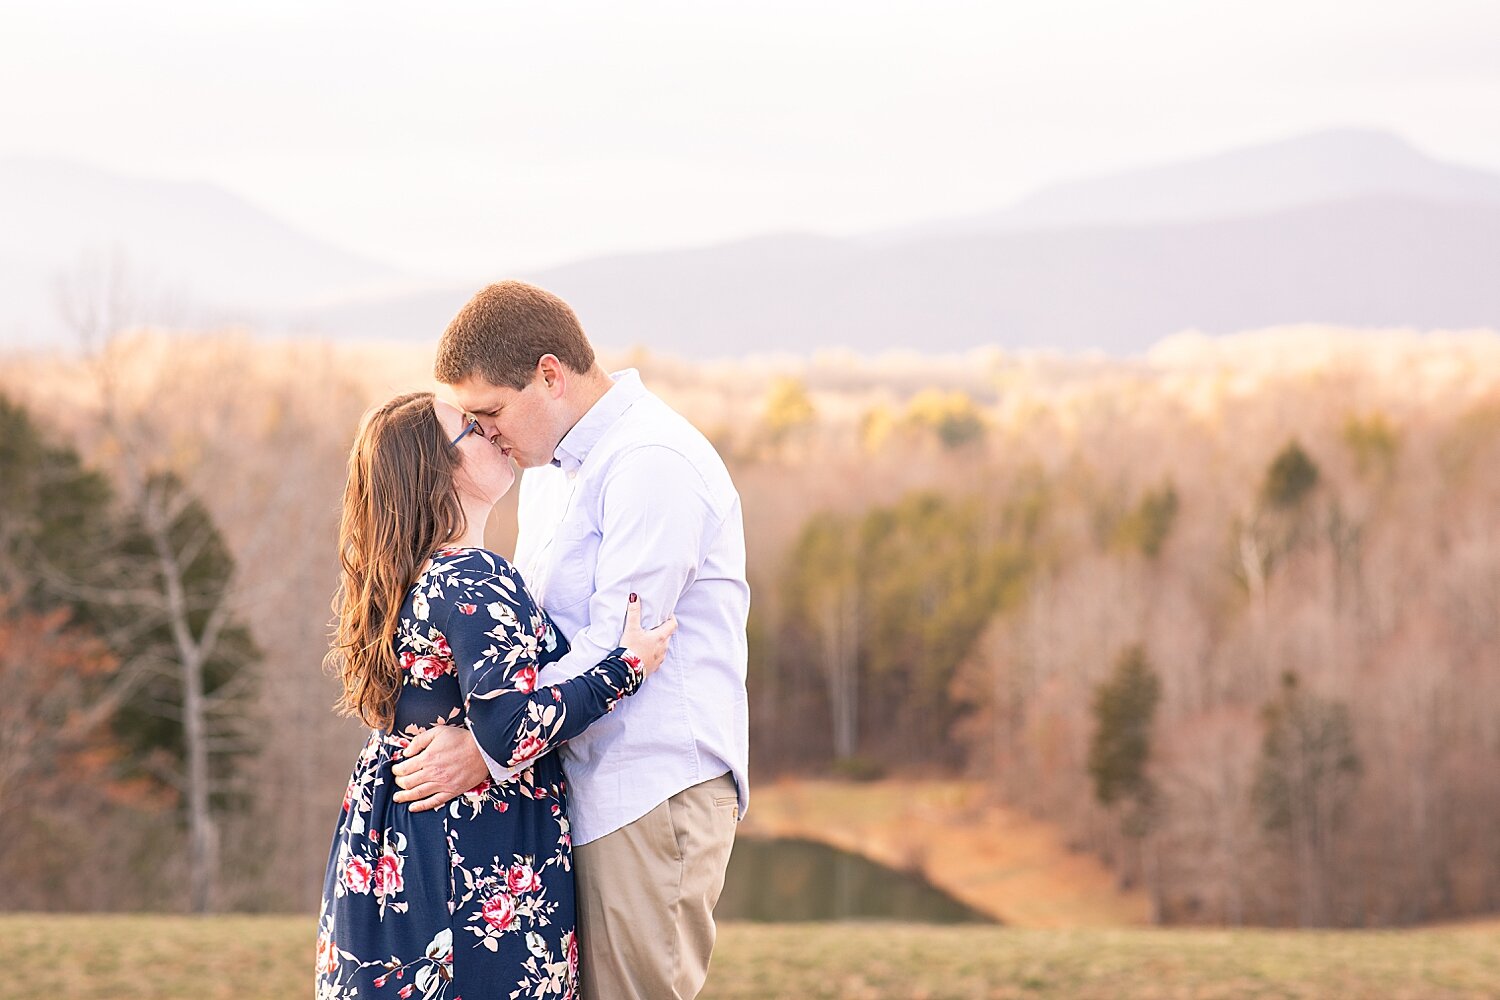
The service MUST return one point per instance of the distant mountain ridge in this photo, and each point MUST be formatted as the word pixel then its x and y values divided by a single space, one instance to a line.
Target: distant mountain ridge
pixel 1378 262
pixel 191 237
pixel 1345 227
pixel 1332 165
pixel 1363 262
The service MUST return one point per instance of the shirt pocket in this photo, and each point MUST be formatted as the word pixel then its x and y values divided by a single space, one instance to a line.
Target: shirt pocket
pixel 574 558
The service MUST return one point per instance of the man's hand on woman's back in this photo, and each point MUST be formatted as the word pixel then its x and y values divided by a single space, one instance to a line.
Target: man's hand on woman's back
pixel 438 766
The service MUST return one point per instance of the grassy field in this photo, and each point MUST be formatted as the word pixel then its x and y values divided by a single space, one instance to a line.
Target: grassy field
pixel 270 958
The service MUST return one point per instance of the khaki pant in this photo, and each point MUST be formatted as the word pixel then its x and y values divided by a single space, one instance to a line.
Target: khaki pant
pixel 646 896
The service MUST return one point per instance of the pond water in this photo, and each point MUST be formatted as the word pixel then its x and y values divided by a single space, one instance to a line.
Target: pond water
pixel 777 880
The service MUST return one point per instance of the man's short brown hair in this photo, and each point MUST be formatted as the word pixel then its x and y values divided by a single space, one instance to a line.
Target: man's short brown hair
pixel 502 333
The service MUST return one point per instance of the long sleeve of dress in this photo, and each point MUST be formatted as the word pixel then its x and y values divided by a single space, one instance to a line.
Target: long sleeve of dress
pixel 498 638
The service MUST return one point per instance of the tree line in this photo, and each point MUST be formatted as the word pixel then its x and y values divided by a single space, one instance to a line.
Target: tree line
pixel 1249 659
pixel 1226 620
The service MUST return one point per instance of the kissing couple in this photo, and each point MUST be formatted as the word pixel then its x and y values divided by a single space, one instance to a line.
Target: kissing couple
pixel 548 796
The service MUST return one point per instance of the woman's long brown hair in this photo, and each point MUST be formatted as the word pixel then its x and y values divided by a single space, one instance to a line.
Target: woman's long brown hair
pixel 400 505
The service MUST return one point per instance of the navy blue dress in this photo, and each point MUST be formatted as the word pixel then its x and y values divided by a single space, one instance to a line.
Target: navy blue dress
pixel 474 900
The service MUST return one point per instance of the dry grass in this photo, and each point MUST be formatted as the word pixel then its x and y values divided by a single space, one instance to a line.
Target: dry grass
pixel 270 958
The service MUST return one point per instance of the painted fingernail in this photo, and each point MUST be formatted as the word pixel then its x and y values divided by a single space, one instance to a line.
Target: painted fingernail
pixel 632 597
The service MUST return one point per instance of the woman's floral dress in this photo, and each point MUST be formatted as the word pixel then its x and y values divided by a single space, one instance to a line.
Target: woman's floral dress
pixel 474 900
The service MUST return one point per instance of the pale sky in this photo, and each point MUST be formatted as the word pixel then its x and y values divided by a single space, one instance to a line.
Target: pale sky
pixel 465 139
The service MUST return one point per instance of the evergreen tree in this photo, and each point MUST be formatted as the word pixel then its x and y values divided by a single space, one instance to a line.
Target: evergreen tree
pixel 1291 477
pixel 1146 527
pixel 1124 710
pixel 931 578
pixel 1304 781
pixel 56 516
pixel 1282 518
pixel 952 417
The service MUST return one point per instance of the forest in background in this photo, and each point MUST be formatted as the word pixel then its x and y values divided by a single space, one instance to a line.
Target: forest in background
pixel 1225 614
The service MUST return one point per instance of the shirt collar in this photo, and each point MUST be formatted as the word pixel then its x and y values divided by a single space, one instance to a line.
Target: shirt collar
pixel 573 450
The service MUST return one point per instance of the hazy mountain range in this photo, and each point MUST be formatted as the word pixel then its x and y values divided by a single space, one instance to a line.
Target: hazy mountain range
pixel 218 255
pixel 1336 165
pixel 1344 227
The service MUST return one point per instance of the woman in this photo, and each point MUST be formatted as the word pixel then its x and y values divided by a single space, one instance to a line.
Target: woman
pixel 475 900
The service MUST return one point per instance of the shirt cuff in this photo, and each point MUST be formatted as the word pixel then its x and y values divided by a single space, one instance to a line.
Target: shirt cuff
pixel 498 772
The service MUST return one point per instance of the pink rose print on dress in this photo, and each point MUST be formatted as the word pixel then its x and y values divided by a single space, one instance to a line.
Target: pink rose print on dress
pixel 357 875
pixel 499 912
pixel 526 680
pixel 428 668
pixel 467 609
pixel 528 748
pixel 328 956
pixel 388 881
pixel 521 879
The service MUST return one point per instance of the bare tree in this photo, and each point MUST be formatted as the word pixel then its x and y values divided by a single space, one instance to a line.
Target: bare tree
pixel 174 594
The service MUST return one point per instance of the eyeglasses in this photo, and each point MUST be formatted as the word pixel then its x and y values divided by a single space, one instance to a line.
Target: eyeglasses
pixel 469 428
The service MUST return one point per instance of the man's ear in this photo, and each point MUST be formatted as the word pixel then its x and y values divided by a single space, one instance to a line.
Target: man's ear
pixel 552 374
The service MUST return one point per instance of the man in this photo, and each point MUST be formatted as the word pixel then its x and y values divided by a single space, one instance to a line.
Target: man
pixel 623 496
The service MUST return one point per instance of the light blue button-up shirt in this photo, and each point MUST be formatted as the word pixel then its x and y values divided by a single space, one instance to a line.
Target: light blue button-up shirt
pixel 638 500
